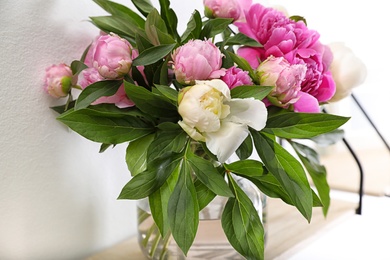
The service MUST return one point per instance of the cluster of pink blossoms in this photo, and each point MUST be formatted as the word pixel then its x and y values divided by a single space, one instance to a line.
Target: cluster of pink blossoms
pixel 291 59
pixel 109 57
pixel 298 45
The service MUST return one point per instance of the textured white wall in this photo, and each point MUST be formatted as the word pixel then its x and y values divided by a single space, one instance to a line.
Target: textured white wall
pixel 57 193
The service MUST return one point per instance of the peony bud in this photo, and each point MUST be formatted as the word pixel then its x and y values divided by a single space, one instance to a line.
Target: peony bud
pixel 348 71
pixel 286 79
pixel 112 56
pixel 236 77
pixel 59 80
pixel 197 60
pixel 226 8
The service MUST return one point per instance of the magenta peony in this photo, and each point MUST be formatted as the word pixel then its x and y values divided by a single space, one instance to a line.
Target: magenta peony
pixel 226 8
pixel 197 60
pixel 236 77
pixel 111 56
pixel 59 80
pixel 282 37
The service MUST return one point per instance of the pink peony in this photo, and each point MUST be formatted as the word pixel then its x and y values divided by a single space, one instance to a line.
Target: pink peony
pixel 236 77
pixel 226 8
pixel 111 56
pixel 89 76
pixel 286 79
pixel 282 37
pixel 197 60
pixel 89 56
pixel 59 80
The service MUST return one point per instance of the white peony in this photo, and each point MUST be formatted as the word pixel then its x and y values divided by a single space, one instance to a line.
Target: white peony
pixel 210 115
pixel 347 69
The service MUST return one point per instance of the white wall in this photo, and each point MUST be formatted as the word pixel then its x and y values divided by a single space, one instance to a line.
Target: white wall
pixel 57 193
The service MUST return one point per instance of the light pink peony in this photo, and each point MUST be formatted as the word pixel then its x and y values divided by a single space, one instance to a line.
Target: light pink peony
pixel 59 80
pixel 111 56
pixel 226 8
pixel 89 76
pixel 282 37
pixel 286 79
pixel 236 77
pixel 197 60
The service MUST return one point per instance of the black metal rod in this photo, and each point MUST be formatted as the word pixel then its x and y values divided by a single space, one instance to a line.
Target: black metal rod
pixel 371 122
pixel 359 209
pixel 361 172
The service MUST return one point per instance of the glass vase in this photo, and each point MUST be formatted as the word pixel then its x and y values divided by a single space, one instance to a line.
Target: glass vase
pixel 210 241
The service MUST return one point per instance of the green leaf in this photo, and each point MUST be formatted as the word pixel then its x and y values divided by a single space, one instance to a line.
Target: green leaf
pixel 153 23
pixel 214 27
pixel 329 138
pixel 77 66
pixel 168 92
pixel 208 175
pixel 167 141
pixel 298 18
pixel 136 154
pixel 242 39
pixel 170 18
pixel 246 167
pixel 183 210
pixel 159 202
pixel 150 103
pixel 142 42
pixel 242 64
pixel 118 25
pixel 150 180
pixel 122 11
pixel 105 127
pixel 144 6
pixel 97 90
pixel 104 147
pixel 204 194
pixel 317 172
pixel 257 92
pixel 270 186
pixel 63 108
pixel 245 149
pixel 153 54
pixel 287 170
pixel 242 226
pixel 194 27
pixel 303 125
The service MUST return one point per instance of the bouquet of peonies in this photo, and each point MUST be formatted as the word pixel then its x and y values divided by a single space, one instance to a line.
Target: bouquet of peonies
pixel 237 81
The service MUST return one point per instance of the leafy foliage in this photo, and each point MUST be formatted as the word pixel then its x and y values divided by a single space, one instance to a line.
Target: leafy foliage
pixel 178 175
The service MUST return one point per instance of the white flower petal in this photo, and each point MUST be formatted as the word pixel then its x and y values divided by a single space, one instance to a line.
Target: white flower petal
pixel 218 85
pixel 248 111
pixel 192 132
pixel 226 140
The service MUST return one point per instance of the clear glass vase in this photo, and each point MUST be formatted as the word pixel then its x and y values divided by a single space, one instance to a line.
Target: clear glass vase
pixel 210 241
